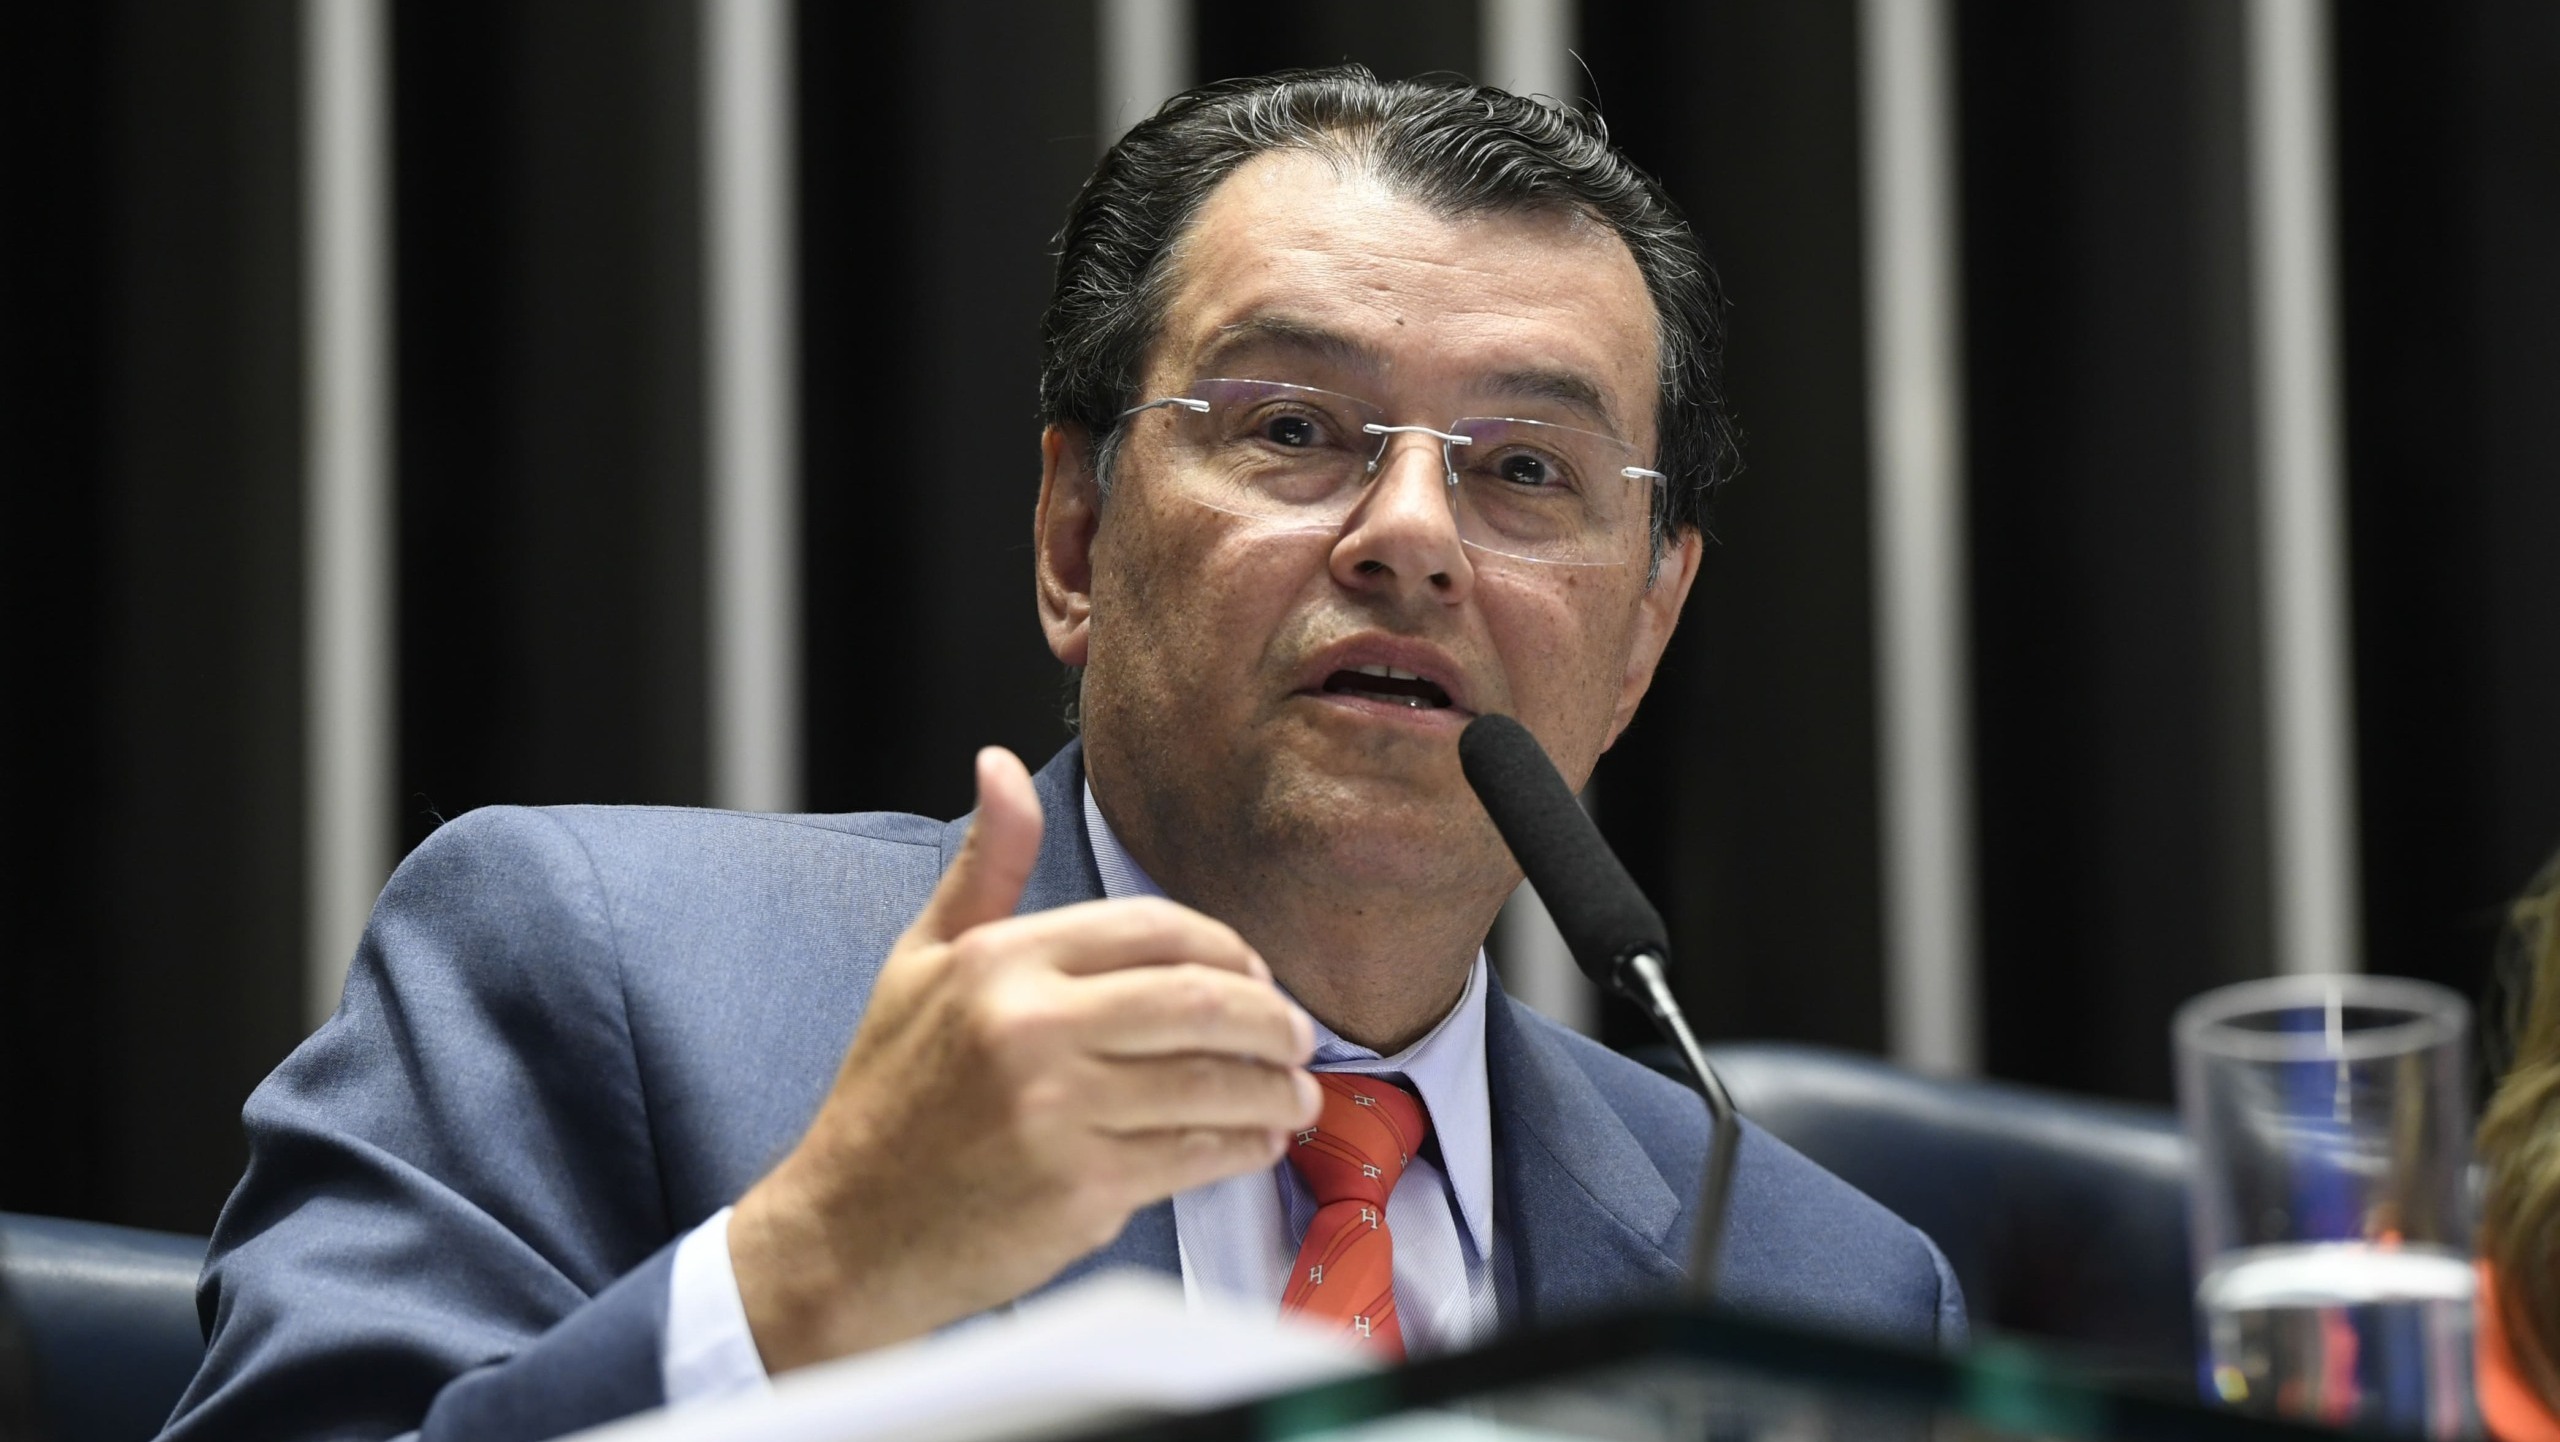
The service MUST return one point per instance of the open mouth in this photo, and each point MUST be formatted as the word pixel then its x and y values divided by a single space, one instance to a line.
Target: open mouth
pixel 1386 683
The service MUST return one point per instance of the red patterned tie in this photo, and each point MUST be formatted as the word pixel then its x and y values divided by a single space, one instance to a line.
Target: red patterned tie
pixel 1351 1157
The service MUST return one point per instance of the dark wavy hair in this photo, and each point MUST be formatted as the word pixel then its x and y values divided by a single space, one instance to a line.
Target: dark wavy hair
pixel 2519 1141
pixel 1459 148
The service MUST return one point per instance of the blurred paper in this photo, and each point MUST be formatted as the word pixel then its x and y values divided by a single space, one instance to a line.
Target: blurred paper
pixel 1117 1346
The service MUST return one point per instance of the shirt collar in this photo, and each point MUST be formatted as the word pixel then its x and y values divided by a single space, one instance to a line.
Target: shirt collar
pixel 1446 1066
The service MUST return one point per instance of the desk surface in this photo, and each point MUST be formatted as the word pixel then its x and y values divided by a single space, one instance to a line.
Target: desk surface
pixel 1682 1376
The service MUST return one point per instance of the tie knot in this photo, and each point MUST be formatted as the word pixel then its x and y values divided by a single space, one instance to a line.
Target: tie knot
pixel 1369 1129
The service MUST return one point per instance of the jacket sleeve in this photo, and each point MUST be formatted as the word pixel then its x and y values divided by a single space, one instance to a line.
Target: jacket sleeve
pixel 1954 1331
pixel 452 1221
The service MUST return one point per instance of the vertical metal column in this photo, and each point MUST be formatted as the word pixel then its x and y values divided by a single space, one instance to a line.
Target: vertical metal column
pixel 1145 61
pixel 1528 46
pixel 347 561
pixel 752 375
pixel 1528 50
pixel 2302 518
pixel 1915 404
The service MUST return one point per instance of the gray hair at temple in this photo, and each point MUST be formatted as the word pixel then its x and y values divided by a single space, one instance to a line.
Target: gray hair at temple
pixel 1458 148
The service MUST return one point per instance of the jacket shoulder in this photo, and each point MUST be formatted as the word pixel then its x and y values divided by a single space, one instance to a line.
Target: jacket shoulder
pixel 508 848
pixel 694 830
pixel 682 872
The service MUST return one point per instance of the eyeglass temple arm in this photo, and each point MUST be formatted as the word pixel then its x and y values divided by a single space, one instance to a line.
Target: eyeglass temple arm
pixel 1188 403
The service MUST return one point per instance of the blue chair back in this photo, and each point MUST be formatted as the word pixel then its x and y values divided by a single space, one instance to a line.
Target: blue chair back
pixel 2064 1217
pixel 108 1316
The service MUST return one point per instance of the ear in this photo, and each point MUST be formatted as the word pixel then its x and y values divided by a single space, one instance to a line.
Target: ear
pixel 1657 612
pixel 1062 533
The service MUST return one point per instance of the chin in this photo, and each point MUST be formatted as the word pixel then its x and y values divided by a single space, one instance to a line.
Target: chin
pixel 1371 831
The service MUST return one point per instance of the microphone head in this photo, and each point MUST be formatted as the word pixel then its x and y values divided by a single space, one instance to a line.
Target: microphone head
pixel 1601 912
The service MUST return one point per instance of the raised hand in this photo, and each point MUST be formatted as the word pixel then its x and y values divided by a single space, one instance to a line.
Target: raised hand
pixel 1018 1087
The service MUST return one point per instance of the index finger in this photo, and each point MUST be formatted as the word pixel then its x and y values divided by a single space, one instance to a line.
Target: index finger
pixel 1098 936
pixel 1165 1011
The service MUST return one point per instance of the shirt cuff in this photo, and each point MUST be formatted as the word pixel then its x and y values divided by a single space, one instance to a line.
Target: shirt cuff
pixel 710 1351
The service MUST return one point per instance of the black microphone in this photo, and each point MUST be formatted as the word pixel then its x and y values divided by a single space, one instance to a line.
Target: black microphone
pixel 1616 936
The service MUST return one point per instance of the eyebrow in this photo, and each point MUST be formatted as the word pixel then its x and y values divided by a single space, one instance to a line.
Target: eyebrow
pixel 1563 387
pixel 1281 333
pixel 1566 388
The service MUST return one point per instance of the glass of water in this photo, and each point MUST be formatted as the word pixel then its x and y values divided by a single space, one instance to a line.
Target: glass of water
pixel 2329 1206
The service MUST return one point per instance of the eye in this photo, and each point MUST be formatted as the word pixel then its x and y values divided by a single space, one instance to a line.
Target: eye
pixel 1291 431
pixel 1530 470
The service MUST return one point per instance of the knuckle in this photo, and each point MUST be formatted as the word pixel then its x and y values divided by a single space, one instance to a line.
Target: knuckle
pixel 986 1021
pixel 1277 1100
pixel 1225 937
pixel 1040 1103
pixel 1239 1092
pixel 1019 1017
pixel 1215 938
pixel 914 962
pixel 1234 1080
pixel 1199 1002
pixel 972 955
pixel 1198 1080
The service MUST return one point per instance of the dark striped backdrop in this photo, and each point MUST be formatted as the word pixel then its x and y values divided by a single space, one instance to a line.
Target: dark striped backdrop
pixel 551 448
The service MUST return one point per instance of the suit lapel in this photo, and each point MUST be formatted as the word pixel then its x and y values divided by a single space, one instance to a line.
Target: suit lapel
pixel 1586 1219
pixel 1063 876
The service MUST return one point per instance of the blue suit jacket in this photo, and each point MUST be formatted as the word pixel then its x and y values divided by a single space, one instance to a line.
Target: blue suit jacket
pixel 570 1035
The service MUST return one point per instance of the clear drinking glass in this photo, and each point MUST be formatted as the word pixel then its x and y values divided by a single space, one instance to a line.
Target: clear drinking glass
pixel 2329 1206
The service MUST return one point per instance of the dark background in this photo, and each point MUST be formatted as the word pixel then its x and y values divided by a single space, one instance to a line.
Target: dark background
pixel 551 448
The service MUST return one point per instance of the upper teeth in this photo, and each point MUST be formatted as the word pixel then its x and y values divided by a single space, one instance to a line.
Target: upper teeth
pixel 1389 672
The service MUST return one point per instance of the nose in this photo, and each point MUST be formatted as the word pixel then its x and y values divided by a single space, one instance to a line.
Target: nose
pixel 1401 540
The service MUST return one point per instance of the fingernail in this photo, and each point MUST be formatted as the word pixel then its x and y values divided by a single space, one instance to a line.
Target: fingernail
pixel 1310 1096
pixel 1306 1031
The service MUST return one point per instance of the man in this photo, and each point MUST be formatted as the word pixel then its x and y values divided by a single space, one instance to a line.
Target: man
pixel 1369 408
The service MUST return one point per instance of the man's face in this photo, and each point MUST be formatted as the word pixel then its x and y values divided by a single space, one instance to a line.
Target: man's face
pixel 1224 700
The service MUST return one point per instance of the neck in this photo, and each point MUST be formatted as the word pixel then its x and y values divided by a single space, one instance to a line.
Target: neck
pixel 1376 985
pixel 1380 962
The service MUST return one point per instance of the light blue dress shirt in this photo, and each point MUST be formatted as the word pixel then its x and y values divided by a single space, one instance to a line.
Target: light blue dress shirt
pixel 1238 1238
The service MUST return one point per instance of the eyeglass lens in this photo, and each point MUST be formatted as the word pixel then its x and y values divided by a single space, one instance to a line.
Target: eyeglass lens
pixel 1303 457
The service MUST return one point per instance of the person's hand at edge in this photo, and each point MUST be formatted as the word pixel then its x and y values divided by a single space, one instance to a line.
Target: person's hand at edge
pixel 1018 1087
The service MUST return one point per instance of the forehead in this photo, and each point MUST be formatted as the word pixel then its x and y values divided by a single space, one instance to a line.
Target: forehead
pixel 1308 257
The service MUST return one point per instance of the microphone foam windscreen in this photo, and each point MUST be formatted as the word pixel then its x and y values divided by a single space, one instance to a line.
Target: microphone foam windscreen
pixel 1601 912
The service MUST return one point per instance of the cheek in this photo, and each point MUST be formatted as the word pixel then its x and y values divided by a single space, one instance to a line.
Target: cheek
pixel 1184 593
pixel 1564 645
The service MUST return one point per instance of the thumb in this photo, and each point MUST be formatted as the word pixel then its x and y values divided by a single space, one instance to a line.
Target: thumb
pixel 985 881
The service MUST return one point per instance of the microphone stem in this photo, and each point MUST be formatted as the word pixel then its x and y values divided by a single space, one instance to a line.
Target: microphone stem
pixel 1651 989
